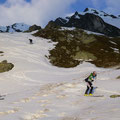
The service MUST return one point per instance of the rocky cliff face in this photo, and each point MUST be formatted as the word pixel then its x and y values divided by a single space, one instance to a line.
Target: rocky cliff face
pixel 91 21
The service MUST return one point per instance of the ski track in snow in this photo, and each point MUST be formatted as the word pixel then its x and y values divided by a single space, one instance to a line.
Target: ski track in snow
pixel 36 90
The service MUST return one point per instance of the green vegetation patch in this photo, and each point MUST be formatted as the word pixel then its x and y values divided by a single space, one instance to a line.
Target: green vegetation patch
pixel 118 77
pixel 114 96
pixel 5 66
pixel 84 56
pixel 86 39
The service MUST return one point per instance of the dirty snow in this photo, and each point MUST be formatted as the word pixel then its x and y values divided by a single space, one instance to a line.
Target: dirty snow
pixel 67 28
pixel 36 90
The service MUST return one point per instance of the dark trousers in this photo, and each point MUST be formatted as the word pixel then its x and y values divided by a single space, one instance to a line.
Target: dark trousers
pixel 89 88
pixel 31 41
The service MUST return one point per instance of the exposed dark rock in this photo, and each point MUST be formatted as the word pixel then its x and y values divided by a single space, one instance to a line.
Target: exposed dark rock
pixel 76 13
pixel 96 12
pixel 52 25
pixel 60 21
pixel 8 27
pixel 89 22
pixel 94 23
pixel 33 28
pixel 87 9
pixel 113 16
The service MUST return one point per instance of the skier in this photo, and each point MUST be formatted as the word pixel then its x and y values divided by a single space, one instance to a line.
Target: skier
pixel 89 81
pixel 31 41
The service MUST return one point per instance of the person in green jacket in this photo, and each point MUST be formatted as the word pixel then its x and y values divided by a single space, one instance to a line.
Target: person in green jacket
pixel 89 81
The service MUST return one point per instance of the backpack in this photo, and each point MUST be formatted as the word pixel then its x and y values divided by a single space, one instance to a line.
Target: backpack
pixel 86 80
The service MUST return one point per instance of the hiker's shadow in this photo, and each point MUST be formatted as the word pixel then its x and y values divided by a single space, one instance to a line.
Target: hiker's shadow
pixel 94 88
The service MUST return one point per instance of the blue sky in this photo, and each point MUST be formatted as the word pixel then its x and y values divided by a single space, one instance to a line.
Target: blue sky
pixel 80 5
pixel 2 1
pixel 42 11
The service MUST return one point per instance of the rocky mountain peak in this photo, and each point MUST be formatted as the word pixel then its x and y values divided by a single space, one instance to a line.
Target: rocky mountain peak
pixel 76 13
pixel 86 9
pixel 99 13
pixel 91 10
pixel 92 20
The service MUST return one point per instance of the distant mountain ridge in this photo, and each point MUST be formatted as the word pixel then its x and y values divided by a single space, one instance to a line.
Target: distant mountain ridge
pixel 19 27
pixel 92 20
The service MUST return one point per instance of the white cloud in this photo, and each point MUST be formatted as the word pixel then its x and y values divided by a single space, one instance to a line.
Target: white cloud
pixel 36 12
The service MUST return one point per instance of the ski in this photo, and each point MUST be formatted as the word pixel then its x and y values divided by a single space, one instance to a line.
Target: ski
pixel 97 96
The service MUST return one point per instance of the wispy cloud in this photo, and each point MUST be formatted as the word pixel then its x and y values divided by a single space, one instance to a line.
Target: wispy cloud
pixel 36 11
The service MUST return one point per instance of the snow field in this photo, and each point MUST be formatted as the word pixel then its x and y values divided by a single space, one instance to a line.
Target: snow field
pixel 36 90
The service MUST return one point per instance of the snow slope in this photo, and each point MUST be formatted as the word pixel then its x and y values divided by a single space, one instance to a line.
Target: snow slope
pixel 36 90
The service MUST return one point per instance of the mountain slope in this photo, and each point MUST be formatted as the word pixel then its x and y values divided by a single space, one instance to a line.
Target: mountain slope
pixel 19 27
pixel 91 20
pixel 76 45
